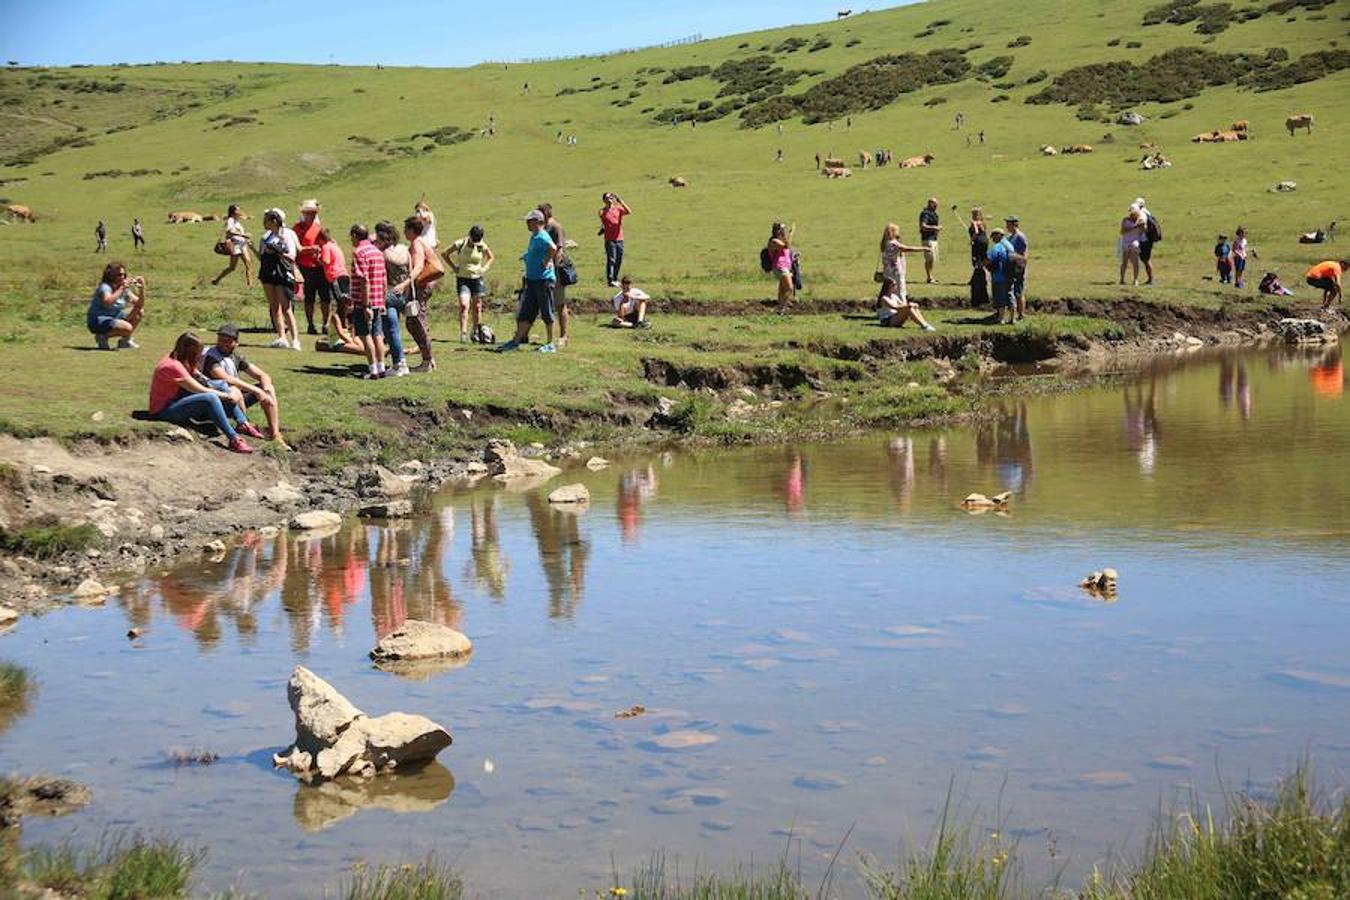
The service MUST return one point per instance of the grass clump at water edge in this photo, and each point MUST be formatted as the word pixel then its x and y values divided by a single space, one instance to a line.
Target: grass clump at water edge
pixel 120 868
pixel 15 689
pixel 46 541
pixel 427 880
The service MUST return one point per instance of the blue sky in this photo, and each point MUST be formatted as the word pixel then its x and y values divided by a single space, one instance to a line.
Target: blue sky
pixel 365 33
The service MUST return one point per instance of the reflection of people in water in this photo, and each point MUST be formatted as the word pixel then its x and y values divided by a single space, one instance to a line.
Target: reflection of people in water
pixel 562 554
pixel 1141 424
pixel 1235 385
pixel 408 575
pixel 486 565
pixel 901 453
pixel 794 485
pixel 636 487
pixel 198 604
pixel 937 458
pixel 1328 376
pixel 1005 444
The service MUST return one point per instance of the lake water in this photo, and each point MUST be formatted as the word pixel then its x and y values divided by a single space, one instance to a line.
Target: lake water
pixel 849 641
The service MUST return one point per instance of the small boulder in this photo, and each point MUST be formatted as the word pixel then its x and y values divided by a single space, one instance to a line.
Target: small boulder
pixel 1285 187
pixel 1296 331
pixel 377 481
pixel 1129 117
pixel 7 616
pixel 596 463
pixel 570 493
pixel 1101 582
pixel 90 589
pixel 415 640
pixel 282 494
pixel 316 519
pixel 179 435
pixel 387 509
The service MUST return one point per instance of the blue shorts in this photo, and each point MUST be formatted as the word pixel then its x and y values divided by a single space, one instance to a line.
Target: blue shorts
pixel 474 287
pixel 104 324
pixel 363 317
pixel 1003 295
pixel 536 301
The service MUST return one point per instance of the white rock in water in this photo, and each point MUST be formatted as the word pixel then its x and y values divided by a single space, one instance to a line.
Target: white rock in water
pixel 316 519
pixel 89 589
pixel 8 615
pixel 570 493
pixel 421 640
pixel 596 463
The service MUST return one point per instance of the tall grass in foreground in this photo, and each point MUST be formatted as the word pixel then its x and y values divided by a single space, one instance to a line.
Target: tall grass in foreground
pixel 120 868
pixel 15 689
pixel 655 882
pixel 422 881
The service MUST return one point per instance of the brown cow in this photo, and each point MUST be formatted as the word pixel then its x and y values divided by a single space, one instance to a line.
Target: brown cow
pixel 1297 121
pixel 1076 148
pixel 1047 150
pixel 180 218
pixel 838 172
pixel 22 213
pixel 678 181
pixel 1239 125
pixel 916 162
pixel 835 163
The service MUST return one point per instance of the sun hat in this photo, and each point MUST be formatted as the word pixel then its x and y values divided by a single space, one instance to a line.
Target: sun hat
pixel 310 205
pixel 995 230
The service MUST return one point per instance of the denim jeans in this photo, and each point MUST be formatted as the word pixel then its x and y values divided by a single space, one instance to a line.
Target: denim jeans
pixel 613 260
pixel 393 335
pixel 187 408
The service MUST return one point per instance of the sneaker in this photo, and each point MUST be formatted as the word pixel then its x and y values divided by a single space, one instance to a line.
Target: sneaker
pixel 251 430
pixel 239 445
pixel 401 370
pixel 373 376
pixel 127 343
pixel 279 344
pixel 613 284
pixel 101 341
pixel 643 324
pixel 546 348
pixel 463 337
pixel 929 328
pixel 295 345
pixel 509 346
pixel 424 366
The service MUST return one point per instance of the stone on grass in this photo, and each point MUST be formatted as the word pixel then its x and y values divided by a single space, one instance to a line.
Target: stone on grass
pixel 333 737
pixel 316 519
pixel 570 493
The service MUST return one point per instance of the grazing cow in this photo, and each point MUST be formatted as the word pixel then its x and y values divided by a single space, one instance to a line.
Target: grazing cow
pixel 1076 148
pixel 678 182
pixel 1301 120
pixel 1047 150
pixel 844 13
pixel 834 163
pixel 838 172
pixel 1154 161
pixel 865 159
pixel 1239 125
pixel 22 213
pixel 183 218
pixel 916 162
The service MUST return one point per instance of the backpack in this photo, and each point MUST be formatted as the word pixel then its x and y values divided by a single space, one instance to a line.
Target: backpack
pixel 1153 230
pixel 765 259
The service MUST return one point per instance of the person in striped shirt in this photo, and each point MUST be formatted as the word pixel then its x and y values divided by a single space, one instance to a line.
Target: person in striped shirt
pixel 368 287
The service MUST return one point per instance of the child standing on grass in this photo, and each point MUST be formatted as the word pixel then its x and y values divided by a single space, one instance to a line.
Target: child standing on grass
pixel 1240 251
pixel 1223 262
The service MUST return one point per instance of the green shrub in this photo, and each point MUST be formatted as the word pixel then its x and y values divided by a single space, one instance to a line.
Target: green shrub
pixel 791 45
pixel 686 73
pixel 935 101
pixel 1037 77
pixel 48 540
pixel 424 881
pixel 1019 41
pixel 994 68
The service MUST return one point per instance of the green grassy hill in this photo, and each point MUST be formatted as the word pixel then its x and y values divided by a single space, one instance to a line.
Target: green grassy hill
pixel 113 143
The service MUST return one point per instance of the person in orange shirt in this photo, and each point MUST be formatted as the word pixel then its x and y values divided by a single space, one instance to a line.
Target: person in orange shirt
pixel 311 263
pixel 1327 276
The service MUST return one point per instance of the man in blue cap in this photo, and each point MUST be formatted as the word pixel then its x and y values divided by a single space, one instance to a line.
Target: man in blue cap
pixel 1018 286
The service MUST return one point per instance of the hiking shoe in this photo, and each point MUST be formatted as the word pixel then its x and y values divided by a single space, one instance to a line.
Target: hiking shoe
pixel 101 341
pixel 251 430
pixel 644 324
pixel 295 345
pixel 239 445
pixel 279 344
pixel 127 343
pixel 546 348
pixel 401 370
pixel 509 346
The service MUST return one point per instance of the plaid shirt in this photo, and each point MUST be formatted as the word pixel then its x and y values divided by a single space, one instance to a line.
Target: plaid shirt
pixel 367 276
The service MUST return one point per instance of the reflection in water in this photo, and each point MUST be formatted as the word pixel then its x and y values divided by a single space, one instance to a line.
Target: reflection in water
pixel 901 452
pixel 562 552
pixel 794 485
pixel 1141 423
pixel 320 806
pixel 1328 375
pixel 486 564
pixel 1005 446
pixel 636 487
pixel 407 573
pixel 1235 385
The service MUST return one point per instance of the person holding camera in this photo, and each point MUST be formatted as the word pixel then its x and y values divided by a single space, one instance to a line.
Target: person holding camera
pixel 611 229
pixel 116 308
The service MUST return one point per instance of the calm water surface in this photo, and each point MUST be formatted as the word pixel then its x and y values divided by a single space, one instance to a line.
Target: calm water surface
pixel 851 641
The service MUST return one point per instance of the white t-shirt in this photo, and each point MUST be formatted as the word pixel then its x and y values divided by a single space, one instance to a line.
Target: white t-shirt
pixel 634 295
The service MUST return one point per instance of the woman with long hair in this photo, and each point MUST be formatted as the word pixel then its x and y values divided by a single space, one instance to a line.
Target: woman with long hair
pixel 979 251
pixel 1133 233
pixel 276 270
pixel 236 242
pixel 424 270
pixel 780 256
pixel 116 307
pixel 893 257
pixel 894 309
pixel 397 264
pixel 177 395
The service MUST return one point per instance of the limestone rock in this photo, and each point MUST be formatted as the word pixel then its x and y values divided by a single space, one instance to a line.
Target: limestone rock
pixel 1101 582
pixel 321 713
pixel 387 509
pixel 1300 330
pixel 323 805
pixel 980 501
pixel 316 519
pixel 377 481
pixel 281 494
pixel 397 738
pixel 90 589
pixel 505 463
pixel 179 435
pixel 570 493
pixel 7 616
pixel 596 463
pixel 415 640
pixel 1129 117
pixel 412 467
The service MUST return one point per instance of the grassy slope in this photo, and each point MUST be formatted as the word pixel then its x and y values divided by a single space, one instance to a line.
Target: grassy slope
pixel 700 242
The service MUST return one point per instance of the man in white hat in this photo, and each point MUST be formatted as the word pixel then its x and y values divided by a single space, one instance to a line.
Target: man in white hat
pixel 311 265
pixel 536 296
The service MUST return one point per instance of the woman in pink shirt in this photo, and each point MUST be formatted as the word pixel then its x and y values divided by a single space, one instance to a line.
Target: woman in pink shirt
pixel 780 254
pixel 177 396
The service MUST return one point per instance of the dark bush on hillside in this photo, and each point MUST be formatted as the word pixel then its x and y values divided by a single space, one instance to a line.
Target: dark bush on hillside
pixel 686 73
pixel 820 44
pixel 1087 113
pixel 791 45
pixel 867 86
pixel 927 32
pixel 1210 18
pixel 973 47
pixel 1020 41
pixel 1309 67
pixel 752 75
pixel 1114 42
pixel 1133 45
pixel 1005 85
pixel 935 101
pixel 1284 6
pixel 118 173
pixel 1037 77
pixel 1277 54
pixel 1001 98
pixel 939 23
pixel 704 104
pixel 994 68
pixel 853 42
pixel 742 46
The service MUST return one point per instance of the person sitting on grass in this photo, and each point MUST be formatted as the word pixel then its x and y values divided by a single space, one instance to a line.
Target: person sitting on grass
pixel 176 394
pixel 224 368
pixel 536 294
pixel 894 309
pixel 630 306
pixel 1327 277
pixel 116 307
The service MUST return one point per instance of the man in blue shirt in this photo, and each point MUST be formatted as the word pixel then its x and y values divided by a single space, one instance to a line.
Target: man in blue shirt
pixel 1000 273
pixel 1018 238
pixel 536 295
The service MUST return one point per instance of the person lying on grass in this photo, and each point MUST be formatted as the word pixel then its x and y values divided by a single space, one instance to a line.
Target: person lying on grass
pixel 116 308
pixel 894 309
pixel 176 394
pixel 630 306
pixel 223 368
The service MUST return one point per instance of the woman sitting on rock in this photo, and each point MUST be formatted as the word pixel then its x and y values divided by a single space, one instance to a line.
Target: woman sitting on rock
pixel 176 395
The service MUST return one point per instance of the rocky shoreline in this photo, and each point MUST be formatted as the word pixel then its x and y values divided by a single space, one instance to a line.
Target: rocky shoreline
pixel 149 502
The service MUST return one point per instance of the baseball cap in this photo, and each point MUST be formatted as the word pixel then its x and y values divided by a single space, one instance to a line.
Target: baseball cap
pixel 1012 220
pixel 534 215
pixel 229 331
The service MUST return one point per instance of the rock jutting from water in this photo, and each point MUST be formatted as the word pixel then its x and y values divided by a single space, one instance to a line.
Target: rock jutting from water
pixel 570 493
pixel 333 737
pixel 415 640
pixel 504 463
